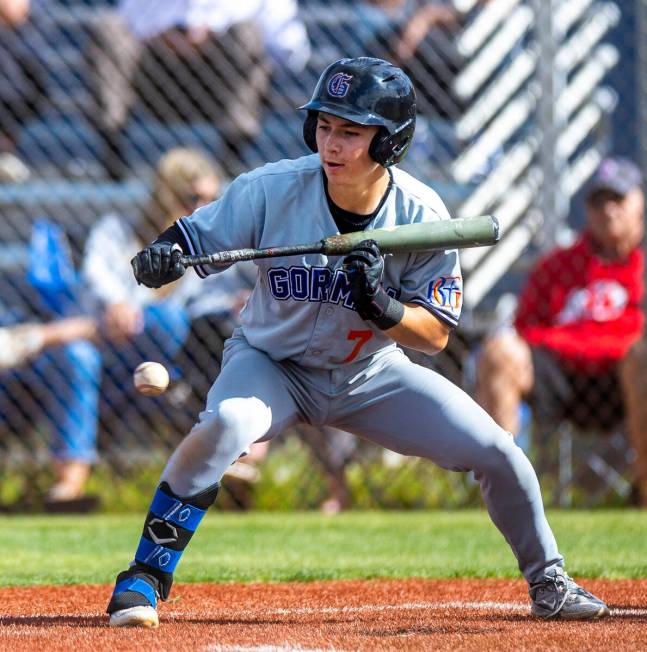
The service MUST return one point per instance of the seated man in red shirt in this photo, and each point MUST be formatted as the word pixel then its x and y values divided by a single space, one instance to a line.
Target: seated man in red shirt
pixel 576 348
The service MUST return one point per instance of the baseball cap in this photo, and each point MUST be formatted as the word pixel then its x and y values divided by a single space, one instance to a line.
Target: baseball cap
pixel 617 174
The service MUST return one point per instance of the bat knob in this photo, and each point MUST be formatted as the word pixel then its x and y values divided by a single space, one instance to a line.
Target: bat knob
pixel 496 226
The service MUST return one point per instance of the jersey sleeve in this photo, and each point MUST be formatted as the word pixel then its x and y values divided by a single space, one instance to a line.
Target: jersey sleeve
pixel 435 282
pixel 232 222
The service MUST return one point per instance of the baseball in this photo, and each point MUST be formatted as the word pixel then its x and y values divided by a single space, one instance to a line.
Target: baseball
pixel 151 378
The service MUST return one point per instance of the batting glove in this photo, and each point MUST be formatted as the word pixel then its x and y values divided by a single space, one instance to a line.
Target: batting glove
pixel 158 264
pixel 364 267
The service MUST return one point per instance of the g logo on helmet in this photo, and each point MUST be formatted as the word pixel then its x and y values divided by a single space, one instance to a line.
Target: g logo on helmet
pixel 338 84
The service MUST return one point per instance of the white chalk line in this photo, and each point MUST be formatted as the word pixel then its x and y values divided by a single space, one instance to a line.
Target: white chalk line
pixel 508 606
pixel 515 607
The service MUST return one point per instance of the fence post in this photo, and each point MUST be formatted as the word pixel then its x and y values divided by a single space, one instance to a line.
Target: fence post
pixel 552 202
pixel 641 68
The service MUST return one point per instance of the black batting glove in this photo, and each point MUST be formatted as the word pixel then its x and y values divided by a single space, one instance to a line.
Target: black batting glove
pixel 158 264
pixel 364 267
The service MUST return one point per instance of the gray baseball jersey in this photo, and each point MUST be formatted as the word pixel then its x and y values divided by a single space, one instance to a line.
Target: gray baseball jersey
pixel 303 354
pixel 301 307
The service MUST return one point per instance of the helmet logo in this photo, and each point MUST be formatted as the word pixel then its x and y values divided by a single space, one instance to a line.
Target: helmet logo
pixel 338 84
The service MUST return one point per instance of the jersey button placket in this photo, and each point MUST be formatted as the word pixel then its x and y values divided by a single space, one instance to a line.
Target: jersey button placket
pixel 319 338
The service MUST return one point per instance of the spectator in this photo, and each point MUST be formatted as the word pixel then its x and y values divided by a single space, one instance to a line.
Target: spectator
pixel 576 351
pixel 196 60
pixel 58 352
pixel 61 382
pixel 21 85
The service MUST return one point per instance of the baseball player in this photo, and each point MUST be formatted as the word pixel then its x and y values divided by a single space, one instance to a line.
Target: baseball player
pixel 319 335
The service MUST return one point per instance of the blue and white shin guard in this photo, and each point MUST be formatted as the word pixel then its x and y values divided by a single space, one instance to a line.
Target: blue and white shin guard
pixel 169 526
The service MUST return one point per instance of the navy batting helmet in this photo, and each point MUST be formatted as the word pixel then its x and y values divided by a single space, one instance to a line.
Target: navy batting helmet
pixel 369 92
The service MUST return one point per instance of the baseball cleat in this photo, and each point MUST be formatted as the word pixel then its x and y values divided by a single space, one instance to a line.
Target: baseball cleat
pixel 134 600
pixel 144 616
pixel 557 596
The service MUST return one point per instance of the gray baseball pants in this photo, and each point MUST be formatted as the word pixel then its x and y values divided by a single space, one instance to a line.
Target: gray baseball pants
pixel 391 401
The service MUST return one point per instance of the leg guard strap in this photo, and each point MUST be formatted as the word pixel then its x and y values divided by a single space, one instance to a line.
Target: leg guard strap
pixel 137 585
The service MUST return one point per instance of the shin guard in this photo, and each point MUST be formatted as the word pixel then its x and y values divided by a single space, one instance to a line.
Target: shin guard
pixel 169 526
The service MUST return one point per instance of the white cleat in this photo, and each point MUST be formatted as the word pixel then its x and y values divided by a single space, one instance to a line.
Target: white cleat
pixel 135 617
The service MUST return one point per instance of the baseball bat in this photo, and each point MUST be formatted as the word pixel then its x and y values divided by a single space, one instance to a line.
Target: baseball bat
pixel 457 233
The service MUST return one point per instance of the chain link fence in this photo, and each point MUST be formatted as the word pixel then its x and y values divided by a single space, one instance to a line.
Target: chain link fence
pixel 118 117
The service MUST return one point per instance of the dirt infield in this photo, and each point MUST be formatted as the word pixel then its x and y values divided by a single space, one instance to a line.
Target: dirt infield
pixel 348 615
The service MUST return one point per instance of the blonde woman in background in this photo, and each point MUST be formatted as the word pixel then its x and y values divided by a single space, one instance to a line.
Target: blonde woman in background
pixel 184 180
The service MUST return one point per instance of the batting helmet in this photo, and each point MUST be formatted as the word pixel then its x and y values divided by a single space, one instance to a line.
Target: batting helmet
pixel 366 91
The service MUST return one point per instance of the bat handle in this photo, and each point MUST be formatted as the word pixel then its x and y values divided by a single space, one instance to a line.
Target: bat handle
pixel 222 257
pixel 236 255
pixel 194 261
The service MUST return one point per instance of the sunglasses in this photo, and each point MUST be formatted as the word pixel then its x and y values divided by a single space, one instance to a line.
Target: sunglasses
pixel 196 199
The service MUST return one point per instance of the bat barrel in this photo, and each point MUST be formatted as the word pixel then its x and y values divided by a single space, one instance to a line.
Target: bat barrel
pixel 457 233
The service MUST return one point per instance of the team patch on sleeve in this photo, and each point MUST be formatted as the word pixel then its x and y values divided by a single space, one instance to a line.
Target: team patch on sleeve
pixel 445 298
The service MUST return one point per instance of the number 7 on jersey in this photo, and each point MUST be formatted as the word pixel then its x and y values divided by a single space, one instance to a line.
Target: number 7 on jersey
pixel 362 336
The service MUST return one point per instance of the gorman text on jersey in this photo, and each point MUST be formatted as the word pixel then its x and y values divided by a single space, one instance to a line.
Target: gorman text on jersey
pixel 315 284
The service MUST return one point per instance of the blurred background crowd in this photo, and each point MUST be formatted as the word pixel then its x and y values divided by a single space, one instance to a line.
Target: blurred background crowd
pixel 119 116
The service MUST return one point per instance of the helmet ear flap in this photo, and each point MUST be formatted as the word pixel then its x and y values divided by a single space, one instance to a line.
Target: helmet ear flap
pixel 387 149
pixel 379 148
pixel 310 130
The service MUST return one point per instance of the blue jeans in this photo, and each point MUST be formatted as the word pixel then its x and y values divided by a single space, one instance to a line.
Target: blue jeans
pixel 64 383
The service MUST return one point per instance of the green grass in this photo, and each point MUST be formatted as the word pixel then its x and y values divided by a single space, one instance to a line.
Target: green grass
pixel 282 546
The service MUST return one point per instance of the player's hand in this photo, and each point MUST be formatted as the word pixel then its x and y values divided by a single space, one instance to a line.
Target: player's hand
pixel 364 267
pixel 158 264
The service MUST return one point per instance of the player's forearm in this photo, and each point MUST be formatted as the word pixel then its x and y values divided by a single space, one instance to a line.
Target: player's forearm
pixel 420 330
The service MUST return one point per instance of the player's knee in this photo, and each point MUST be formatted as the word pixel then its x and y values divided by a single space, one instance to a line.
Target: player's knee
pixel 236 422
pixel 498 456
